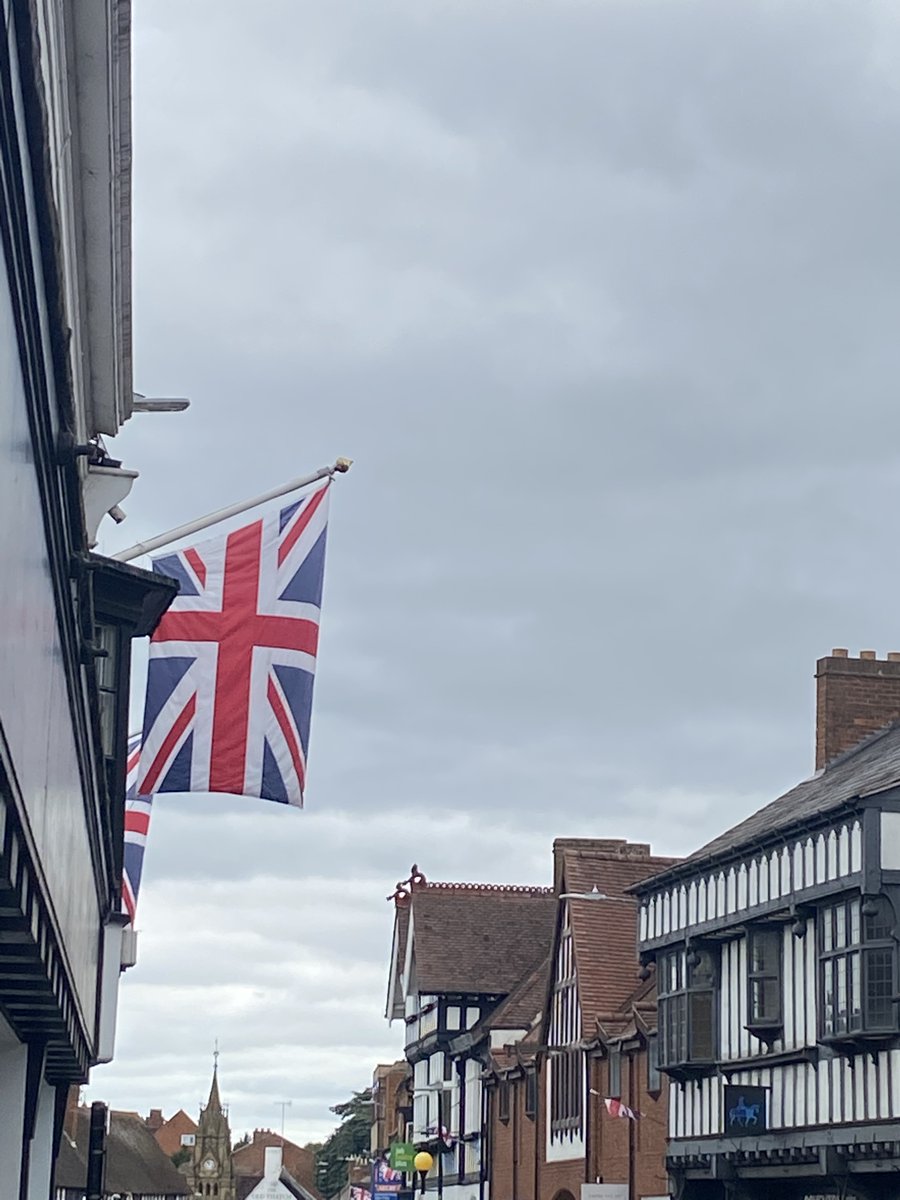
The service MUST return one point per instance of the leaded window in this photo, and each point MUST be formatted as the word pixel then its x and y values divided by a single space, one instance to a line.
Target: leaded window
pixel 566 1055
pixel 687 983
pixel 764 953
pixel 531 1093
pixel 615 1072
pixel 858 967
pixel 654 1082
pixel 566 1088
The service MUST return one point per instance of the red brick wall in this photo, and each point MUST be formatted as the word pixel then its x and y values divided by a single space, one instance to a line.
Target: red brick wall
pixel 607 1143
pixel 513 1147
pixel 611 1135
pixel 854 697
pixel 555 1177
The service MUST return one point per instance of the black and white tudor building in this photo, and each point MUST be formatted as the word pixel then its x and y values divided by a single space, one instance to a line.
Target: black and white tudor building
pixel 776 958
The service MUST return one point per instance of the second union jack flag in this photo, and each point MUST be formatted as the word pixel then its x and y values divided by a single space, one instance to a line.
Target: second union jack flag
pixel 230 678
pixel 137 824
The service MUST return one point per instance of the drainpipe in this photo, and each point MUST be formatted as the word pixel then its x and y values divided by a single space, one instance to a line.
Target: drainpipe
pixel 632 1123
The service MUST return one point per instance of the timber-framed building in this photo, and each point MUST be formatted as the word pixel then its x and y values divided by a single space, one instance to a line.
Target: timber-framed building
pixel 776 958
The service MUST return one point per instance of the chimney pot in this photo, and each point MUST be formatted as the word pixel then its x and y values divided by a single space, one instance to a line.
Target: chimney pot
pixel 839 652
pixel 868 654
pixel 893 656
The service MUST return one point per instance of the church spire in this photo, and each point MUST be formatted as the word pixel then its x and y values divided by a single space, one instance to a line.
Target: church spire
pixel 214 1104
pixel 211 1168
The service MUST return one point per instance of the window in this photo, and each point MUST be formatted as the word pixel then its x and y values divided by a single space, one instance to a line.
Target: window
pixel 858 968
pixel 687 985
pixel 503 1108
pixel 531 1094
pixel 615 1072
pixel 654 1082
pixel 764 948
pixel 566 1088
pixel 566 1064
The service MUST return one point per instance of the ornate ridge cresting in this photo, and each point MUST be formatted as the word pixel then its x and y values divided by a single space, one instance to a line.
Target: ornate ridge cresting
pixel 417 882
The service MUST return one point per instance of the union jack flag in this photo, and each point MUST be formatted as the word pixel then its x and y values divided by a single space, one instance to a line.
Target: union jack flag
pixel 230 679
pixel 137 824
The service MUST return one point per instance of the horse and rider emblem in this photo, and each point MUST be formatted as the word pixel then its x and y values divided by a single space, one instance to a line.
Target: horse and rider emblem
pixel 744 1114
pixel 745 1110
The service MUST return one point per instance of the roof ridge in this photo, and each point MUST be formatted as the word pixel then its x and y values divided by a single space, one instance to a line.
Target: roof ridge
pixel 418 882
pixel 513 889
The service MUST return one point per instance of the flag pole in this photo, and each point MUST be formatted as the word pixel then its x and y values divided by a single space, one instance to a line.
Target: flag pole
pixel 340 467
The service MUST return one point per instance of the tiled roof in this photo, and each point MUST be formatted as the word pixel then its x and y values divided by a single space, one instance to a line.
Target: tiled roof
pixel 249 1160
pixel 134 1162
pixel 245 1186
pixel 867 769
pixel 169 1134
pixel 479 938
pixel 636 1013
pixel 604 932
pixel 523 1005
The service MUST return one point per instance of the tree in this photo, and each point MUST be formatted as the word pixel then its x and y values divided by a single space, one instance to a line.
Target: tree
pixel 351 1139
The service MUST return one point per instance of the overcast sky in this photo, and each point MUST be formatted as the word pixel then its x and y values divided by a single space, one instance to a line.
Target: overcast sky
pixel 602 297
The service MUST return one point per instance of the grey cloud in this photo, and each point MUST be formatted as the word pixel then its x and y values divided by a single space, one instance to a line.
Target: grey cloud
pixel 602 298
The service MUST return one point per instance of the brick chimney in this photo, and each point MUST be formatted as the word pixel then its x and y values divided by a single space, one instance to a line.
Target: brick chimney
pixel 854 697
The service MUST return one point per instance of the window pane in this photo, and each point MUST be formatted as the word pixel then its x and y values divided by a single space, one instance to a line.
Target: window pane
pixel 855 990
pixel 880 989
pixel 654 1083
pixel 615 1073
pixel 879 923
pixel 828 997
pixel 703 970
pixel 840 927
pixel 855 935
pixel 701 1010
pixel 840 995
pixel 765 1000
pixel 828 929
pixel 765 952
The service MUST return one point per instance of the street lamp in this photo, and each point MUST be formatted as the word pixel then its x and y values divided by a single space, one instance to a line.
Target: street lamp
pixel 423 1162
pixel 596 894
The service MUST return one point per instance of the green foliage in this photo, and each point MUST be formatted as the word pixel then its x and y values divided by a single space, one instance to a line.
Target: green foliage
pixel 180 1156
pixel 351 1139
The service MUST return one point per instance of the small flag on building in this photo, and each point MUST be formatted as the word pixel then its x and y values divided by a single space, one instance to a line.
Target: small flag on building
pixel 230 678
pixel 137 824
pixel 616 1108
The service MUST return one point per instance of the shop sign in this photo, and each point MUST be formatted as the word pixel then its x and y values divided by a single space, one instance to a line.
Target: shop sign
pixel 745 1111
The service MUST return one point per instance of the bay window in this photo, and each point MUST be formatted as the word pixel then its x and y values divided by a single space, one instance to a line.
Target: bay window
pixel 857 960
pixel 687 984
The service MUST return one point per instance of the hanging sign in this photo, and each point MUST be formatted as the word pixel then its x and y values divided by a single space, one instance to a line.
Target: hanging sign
pixel 745 1111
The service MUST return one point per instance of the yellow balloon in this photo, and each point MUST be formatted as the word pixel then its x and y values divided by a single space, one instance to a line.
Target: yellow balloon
pixel 423 1161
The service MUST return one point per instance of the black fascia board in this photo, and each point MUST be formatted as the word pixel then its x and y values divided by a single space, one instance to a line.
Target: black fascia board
pixel 130 595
